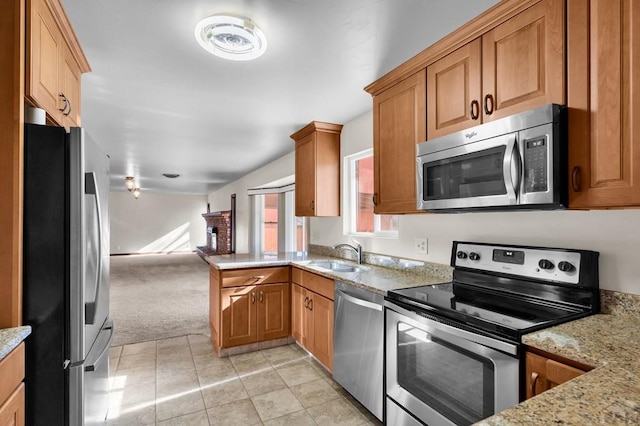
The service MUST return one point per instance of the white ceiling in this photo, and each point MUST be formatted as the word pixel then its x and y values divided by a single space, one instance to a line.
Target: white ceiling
pixel 158 103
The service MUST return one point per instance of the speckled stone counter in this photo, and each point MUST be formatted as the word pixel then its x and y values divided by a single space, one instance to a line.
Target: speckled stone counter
pixel 406 273
pixel 11 337
pixel 609 394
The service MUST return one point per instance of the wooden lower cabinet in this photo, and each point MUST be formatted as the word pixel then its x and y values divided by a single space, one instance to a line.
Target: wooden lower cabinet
pixel 12 399
pixel 543 373
pixel 245 314
pixel 312 317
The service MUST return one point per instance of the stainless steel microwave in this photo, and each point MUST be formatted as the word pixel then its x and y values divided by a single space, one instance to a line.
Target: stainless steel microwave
pixel 516 162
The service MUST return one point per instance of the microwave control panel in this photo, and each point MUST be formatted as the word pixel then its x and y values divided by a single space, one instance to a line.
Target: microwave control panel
pixel 535 164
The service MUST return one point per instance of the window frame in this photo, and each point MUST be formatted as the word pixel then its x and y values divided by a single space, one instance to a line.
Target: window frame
pixel 350 200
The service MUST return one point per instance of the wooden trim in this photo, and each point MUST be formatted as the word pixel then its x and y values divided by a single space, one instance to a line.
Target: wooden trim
pixel 463 35
pixel 12 58
pixel 560 359
pixel 316 126
pixel 69 35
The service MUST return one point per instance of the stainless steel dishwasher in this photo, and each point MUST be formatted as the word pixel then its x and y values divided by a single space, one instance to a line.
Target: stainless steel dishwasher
pixel 358 344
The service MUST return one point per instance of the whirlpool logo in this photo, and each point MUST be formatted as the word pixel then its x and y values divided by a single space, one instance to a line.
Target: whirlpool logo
pixel 470 135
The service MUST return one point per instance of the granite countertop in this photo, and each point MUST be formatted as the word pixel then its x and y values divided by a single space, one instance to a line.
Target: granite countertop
pixel 12 337
pixel 369 277
pixel 609 394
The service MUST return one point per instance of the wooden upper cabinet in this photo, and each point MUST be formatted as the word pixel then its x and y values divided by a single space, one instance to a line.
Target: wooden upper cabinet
pixel 454 91
pixel 516 66
pixel 523 65
pixel 55 62
pixel 399 123
pixel 317 167
pixel 604 104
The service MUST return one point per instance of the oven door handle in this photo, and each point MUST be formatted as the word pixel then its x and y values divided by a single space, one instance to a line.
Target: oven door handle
pixel 480 339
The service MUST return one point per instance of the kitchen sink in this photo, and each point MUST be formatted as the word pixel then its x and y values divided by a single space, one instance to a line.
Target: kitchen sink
pixel 334 266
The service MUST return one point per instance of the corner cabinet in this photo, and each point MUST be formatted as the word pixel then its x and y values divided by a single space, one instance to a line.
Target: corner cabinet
pixel 248 306
pixel 312 314
pixel 604 103
pixel 516 66
pixel 317 168
pixel 12 390
pixel 543 373
pixel 55 63
pixel 399 123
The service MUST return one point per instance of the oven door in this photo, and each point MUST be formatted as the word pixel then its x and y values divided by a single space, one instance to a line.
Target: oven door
pixel 479 174
pixel 443 375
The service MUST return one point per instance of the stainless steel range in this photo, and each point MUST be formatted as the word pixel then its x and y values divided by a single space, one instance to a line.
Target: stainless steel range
pixel 453 351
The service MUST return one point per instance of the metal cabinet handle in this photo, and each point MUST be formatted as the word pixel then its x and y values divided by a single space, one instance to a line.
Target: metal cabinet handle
pixel 488 99
pixel 534 380
pixel 306 303
pixel 575 179
pixel 311 304
pixel 474 109
pixel 66 103
pixel 253 298
pixel 375 199
pixel 312 204
pixel 66 114
pixel 258 277
pixel 261 296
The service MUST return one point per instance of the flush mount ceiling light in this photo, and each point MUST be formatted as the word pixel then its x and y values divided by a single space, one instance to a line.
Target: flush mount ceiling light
pixel 231 37
pixel 171 175
pixel 129 183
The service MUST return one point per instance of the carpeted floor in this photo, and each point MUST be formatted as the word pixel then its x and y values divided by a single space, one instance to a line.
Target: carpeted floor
pixel 158 296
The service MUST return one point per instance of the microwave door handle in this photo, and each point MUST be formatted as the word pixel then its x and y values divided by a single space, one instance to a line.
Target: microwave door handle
pixel 511 169
pixel 516 168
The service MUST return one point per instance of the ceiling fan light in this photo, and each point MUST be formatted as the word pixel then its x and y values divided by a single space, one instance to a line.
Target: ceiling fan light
pixel 136 193
pixel 231 37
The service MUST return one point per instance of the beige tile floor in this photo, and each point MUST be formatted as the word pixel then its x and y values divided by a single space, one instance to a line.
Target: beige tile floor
pixel 179 381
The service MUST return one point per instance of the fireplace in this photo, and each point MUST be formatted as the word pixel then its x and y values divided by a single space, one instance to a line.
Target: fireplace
pixel 219 233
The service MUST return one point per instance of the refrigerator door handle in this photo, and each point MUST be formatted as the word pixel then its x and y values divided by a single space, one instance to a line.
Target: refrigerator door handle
pixel 93 366
pixel 91 188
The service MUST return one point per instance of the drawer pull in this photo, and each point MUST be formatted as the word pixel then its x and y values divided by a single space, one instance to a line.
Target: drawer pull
pixel 261 297
pixel 306 303
pixel 534 380
pixel 575 179
pixel 474 109
pixel 311 304
pixel 258 277
pixel 488 99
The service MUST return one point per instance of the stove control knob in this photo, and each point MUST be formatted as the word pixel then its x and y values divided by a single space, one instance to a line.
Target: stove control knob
pixel 461 254
pixel 545 264
pixel 566 266
pixel 474 256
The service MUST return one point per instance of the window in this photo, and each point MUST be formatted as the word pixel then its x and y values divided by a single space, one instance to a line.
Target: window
pixel 274 226
pixel 360 219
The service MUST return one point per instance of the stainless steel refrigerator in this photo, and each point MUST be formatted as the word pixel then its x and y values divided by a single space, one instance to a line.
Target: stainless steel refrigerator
pixel 66 277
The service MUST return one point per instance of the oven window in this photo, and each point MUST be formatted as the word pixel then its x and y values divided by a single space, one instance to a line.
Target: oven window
pixel 456 383
pixel 470 175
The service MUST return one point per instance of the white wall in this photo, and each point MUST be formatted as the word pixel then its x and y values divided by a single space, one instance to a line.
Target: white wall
pixel 156 222
pixel 614 233
pixel 221 199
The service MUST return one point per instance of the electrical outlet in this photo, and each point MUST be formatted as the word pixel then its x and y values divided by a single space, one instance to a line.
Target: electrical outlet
pixel 420 245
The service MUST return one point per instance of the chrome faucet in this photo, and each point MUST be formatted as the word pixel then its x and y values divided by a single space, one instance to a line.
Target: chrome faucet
pixel 357 248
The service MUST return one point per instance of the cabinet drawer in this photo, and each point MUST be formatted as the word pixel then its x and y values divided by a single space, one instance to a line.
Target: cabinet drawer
pixel 316 283
pixel 242 277
pixel 11 372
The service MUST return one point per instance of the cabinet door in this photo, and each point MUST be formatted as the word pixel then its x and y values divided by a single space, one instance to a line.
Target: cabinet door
pixel 536 374
pixel 399 123
pixel 298 314
pixel 70 89
pixel 12 410
pixel 604 104
pixel 558 373
pixel 306 176
pixel 214 306
pixel 239 325
pixel 453 91
pixel 45 46
pixel 523 61
pixel 274 314
pixel 321 310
